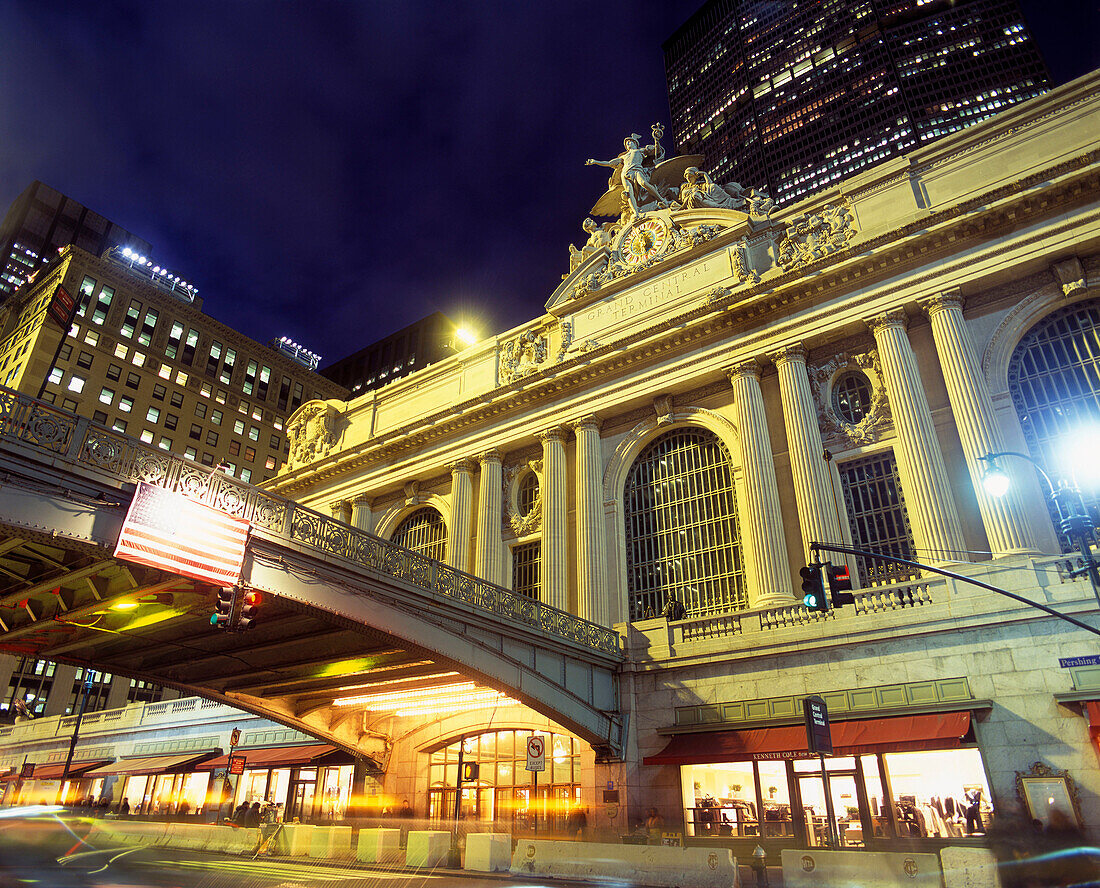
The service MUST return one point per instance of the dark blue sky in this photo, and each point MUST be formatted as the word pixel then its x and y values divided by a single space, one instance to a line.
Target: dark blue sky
pixel 331 171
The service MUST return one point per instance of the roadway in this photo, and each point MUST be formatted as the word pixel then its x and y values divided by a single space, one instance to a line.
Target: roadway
pixel 48 851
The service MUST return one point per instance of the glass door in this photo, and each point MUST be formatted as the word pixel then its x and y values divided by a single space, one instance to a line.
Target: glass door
pixel 847 818
pixel 301 802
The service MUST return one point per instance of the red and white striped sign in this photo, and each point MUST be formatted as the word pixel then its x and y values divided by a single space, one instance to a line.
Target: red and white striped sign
pixel 167 530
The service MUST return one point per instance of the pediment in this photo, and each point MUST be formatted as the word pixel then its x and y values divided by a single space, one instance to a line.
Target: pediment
pixel 683 235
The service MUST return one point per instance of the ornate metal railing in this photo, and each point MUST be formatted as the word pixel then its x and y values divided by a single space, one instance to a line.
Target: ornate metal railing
pixel 84 443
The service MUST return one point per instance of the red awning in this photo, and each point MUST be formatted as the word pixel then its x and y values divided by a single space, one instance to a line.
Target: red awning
pixel 1092 710
pixel 902 733
pixel 277 757
pixel 157 764
pixel 54 771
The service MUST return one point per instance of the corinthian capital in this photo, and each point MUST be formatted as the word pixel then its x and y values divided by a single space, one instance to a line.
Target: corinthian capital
pixel 893 318
pixel 463 466
pixel 751 367
pixel 793 352
pixel 490 456
pixel 948 299
pixel 588 423
pixel 554 433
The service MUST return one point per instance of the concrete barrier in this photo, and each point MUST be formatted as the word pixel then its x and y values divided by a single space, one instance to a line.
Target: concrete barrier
pixel 379 845
pixel 330 842
pixel 187 836
pixel 488 852
pixel 654 865
pixel 868 869
pixel 427 848
pixel 969 868
pixel 297 838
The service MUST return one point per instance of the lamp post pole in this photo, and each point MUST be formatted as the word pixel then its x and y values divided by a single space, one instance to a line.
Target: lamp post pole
pixel 1073 519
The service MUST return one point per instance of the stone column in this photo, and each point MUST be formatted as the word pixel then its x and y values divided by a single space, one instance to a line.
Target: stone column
pixel 341 510
pixel 592 593
pixel 817 508
pixel 927 491
pixel 761 520
pixel 362 518
pixel 1005 520
pixel 555 553
pixel 462 503
pixel 490 547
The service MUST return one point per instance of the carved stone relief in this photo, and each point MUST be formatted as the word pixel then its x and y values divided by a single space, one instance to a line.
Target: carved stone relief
pixel 835 431
pixel 521 525
pixel 812 237
pixel 312 432
pixel 522 356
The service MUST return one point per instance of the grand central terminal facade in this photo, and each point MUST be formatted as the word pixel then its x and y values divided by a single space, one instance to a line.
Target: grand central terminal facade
pixel 715 385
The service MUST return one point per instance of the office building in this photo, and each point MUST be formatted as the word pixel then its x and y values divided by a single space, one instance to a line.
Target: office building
pixel 403 352
pixel 796 96
pixel 40 222
pixel 142 359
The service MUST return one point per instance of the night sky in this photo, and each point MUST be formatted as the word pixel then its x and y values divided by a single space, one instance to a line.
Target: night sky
pixel 332 171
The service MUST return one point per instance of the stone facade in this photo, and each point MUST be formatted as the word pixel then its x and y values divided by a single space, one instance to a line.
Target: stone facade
pixel 925 272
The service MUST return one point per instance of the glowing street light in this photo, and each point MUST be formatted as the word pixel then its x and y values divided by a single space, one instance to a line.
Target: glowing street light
pixel 1073 518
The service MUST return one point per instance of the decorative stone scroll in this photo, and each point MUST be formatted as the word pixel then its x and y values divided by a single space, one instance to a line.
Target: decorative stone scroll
pixel 522 525
pixel 814 236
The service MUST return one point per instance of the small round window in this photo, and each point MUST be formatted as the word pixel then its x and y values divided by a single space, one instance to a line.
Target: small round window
pixel 852 397
pixel 527 494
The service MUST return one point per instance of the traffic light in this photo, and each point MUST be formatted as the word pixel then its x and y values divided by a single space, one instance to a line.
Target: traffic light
pixel 249 609
pixel 840 585
pixel 813 588
pixel 470 770
pixel 222 618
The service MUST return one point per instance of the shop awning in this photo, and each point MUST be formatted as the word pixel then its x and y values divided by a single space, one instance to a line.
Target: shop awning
pixel 1092 710
pixel 55 770
pixel 902 733
pixel 272 757
pixel 155 764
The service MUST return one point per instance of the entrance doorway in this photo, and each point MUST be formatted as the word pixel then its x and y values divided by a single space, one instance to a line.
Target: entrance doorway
pixel 851 814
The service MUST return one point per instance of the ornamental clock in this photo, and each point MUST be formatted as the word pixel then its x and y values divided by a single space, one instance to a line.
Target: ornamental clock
pixel 644 240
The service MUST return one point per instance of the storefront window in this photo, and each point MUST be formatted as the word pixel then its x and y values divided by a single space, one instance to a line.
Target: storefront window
pixel 335 788
pixel 505 792
pixel 936 794
pixel 939 793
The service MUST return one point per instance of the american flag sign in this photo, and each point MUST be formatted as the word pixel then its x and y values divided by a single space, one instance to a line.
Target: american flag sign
pixel 167 530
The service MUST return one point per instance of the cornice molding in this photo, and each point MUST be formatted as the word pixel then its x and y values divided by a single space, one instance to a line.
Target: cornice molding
pixel 863 258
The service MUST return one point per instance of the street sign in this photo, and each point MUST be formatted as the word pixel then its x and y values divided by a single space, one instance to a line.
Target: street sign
pixel 62 308
pixel 536 753
pixel 1072 662
pixel 235 737
pixel 818 736
pixel 27 770
pixel 236 764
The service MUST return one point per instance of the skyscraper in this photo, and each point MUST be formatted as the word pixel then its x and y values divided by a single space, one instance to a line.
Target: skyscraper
pixel 792 96
pixel 41 221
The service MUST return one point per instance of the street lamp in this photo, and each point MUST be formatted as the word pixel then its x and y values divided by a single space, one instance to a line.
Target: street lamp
pixel 1073 518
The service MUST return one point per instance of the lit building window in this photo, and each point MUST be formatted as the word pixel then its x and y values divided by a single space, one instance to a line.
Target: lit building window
pixel 424 532
pixel 877 517
pixel 526 560
pixel 682 534
pixel 1054 381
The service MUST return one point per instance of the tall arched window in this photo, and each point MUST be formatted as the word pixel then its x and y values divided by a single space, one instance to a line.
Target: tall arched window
pixel 424 532
pixel 1054 380
pixel 682 535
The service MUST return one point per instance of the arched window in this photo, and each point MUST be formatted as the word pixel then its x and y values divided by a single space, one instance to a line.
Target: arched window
pixel 424 532
pixel 1054 380
pixel 682 535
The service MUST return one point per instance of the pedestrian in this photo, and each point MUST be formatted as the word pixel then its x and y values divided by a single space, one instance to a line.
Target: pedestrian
pixel 406 811
pixel 239 814
pixel 124 808
pixel 654 826
pixel 252 816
